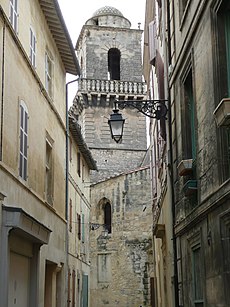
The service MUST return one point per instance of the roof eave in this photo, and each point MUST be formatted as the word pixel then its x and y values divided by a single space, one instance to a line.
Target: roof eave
pixel 75 130
pixel 58 29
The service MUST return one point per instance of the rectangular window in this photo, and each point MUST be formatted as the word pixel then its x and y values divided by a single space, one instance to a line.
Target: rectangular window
pixel 23 151
pixel 14 14
pixel 198 280
pixel 32 47
pixel 49 171
pixel 73 287
pixel 69 289
pixel 70 215
pixel 48 74
pixel 79 164
pixel 79 226
pixel 188 115
pixel 70 150
pixel 83 228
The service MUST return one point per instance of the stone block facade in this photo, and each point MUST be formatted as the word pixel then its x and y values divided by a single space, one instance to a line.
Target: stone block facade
pixel 121 259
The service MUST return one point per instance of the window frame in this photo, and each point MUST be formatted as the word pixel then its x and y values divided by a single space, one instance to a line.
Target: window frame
pixel 79 226
pixel 49 67
pixel 49 170
pixel 188 104
pixel 33 48
pixel 13 14
pixel 79 163
pixel 114 64
pixel 107 217
pixel 23 141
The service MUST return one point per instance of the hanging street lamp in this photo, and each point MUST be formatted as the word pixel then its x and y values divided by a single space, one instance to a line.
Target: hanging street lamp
pixel 150 108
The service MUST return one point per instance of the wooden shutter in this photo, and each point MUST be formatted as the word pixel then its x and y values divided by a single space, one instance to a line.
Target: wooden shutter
pixel 152 42
pixel 23 142
pixel 79 226
pixel 70 215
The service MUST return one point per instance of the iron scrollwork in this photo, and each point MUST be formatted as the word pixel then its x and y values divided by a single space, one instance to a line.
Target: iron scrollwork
pixel 151 108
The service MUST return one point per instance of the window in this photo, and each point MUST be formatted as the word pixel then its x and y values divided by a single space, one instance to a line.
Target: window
pixel 107 217
pixel 70 215
pixel 83 227
pixel 188 118
pixel 49 171
pixel 79 226
pixel 14 14
pixel 225 243
pixel 32 47
pixel 114 57
pixel 48 74
pixel 69 288
pixel 198 281
pixel 23 151
pixel 79 164
pixel 73 287
pixel 70 149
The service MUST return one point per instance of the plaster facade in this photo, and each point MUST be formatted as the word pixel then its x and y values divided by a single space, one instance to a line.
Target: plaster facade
pixel 33 253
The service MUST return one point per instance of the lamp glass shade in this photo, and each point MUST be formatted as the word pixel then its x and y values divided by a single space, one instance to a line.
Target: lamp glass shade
pixel 116 124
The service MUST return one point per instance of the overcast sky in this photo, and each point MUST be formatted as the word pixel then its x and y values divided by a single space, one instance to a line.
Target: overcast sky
pixel 76 13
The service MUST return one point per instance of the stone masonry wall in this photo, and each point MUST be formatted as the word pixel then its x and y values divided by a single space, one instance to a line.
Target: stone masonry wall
pixel 120 261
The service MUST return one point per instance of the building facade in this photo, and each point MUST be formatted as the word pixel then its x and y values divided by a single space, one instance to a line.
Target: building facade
pixel 155 73
pixel 79 207
pixel 35 55
pixel 197 52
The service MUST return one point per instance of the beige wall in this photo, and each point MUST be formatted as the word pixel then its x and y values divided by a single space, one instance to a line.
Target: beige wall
pixel 46 115
pixel 79 187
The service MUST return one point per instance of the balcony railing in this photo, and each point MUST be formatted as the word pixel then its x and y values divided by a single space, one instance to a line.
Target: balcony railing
pixel 112 87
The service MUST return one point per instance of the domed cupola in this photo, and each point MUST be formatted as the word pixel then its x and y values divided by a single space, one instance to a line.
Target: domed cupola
pixel 109 16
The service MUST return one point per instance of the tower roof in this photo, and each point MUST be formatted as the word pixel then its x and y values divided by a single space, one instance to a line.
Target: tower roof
pixel 107 10
pixel 108 16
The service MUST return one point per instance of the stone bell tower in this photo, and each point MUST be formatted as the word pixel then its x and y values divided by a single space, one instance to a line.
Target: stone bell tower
pixel 109 53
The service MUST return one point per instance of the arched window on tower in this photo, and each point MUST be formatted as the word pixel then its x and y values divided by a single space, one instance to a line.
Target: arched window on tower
pixel 107 217
pixel 114 58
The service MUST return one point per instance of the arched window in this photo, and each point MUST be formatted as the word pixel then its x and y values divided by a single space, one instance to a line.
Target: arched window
pixel 114 57
pixel 107 217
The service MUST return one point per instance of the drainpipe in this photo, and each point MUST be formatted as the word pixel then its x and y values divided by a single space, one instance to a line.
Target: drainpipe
pixel 67 183
pixel 2 86
pixel 176 292
pixel 67 148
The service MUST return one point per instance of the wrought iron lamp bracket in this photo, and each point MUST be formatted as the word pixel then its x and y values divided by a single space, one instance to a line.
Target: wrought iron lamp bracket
pixel 151 108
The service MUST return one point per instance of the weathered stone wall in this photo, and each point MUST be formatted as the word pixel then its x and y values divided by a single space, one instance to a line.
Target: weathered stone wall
pixel 120 261
pixel 202 221
pixel 98 41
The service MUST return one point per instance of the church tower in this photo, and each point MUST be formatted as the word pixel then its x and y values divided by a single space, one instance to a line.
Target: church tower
pixel 109 52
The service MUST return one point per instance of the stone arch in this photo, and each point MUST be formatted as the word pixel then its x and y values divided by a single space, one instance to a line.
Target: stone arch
pixel 114 64
pixel 104 213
